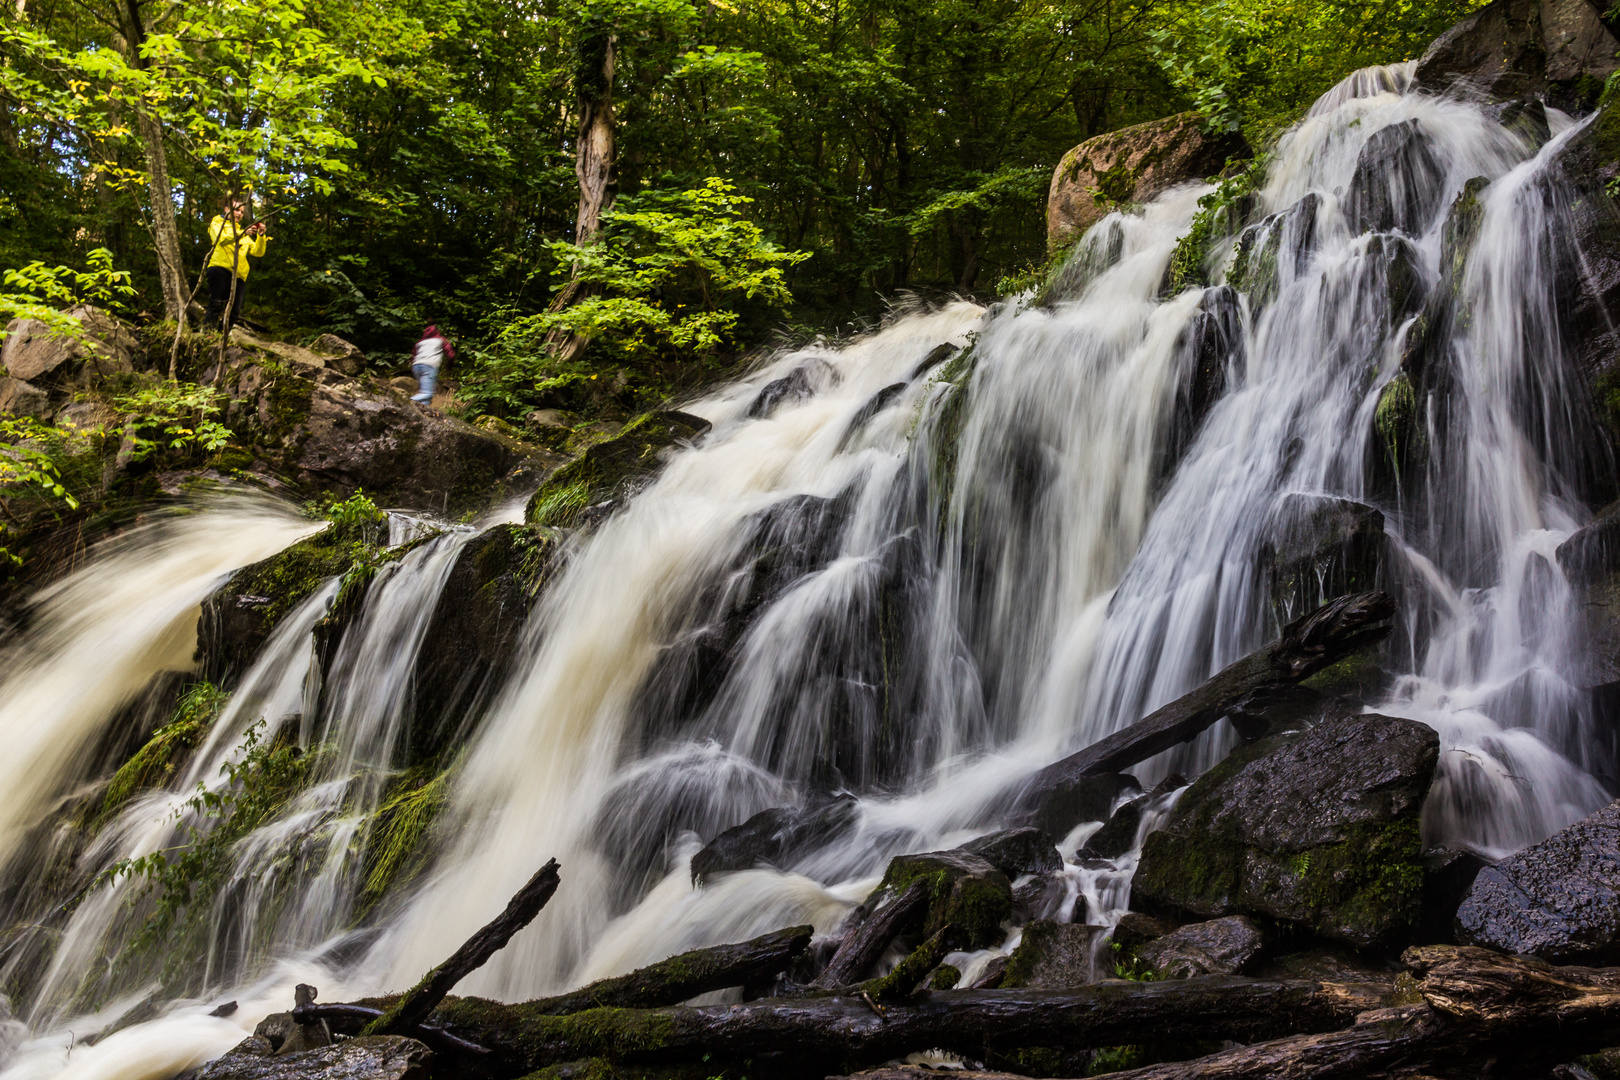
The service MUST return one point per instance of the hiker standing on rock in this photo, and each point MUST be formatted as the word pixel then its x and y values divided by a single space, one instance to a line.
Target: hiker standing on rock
pixel 430 352
pixel 228 262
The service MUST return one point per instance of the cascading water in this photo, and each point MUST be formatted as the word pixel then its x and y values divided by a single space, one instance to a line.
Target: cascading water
pixel 918 566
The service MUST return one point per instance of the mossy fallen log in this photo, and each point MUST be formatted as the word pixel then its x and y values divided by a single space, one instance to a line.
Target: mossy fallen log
pixel 846 1030
pixel 864 943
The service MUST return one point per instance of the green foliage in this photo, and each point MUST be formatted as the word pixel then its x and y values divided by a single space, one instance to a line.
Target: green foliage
pixel 172 417
pixel 396 831
pixel 43 291
pixel 1127 965
pixel 31 465
pixel 155 763
pixel 183 880
pixel 1219 215
pixel 358 509
pixel 665 272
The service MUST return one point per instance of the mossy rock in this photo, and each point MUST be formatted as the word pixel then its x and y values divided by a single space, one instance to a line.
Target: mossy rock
pixel 156 762
pixel 1317 828
pixel 965 892
pixel 1055 956
pixel 613 469
pixel 240 616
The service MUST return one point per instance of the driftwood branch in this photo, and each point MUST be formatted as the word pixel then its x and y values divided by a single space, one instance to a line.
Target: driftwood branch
pixel 415 1005
pixel 863 945
pixel 1329 634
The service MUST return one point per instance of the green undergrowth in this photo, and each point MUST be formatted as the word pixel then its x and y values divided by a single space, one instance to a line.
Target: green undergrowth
pixel 155 763
pixel 1220 215
pixel 396 833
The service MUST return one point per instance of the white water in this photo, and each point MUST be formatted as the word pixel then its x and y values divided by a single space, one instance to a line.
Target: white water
pixel 948 631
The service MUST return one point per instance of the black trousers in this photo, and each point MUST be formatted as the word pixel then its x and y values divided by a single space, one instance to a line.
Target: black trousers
pixel 219 296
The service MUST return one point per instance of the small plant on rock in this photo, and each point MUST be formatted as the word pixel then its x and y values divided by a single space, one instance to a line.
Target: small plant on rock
pixel 172 417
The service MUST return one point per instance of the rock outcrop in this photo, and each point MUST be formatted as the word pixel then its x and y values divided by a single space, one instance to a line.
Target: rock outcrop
pixel 1130 166
pixel 1558 899
pixel 104 346
pixel 1560 48
pixel 1318 828
pixel 609 472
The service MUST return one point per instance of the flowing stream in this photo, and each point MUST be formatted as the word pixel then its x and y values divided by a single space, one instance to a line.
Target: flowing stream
pixel 991 537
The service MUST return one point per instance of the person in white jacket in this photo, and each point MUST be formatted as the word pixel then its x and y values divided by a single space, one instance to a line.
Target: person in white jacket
pixel 430 353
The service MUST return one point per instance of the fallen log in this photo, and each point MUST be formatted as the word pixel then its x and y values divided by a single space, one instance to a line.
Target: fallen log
pixel 863 945
pixel 1476 1005
pixel 414 1006
pixel 1307 645
pixel 668 982
pixel 847 1029
pixel 909 973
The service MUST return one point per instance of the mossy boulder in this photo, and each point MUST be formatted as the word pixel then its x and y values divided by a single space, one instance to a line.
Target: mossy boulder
pixel 1056 956
pixel 473 635
pixel 1554 48
pixel 1131 166
pixel 965 892
pixel 610 471
pixel 1317 828
pixel 241 615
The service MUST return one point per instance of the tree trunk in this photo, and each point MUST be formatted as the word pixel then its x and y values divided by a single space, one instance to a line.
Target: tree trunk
pixel 1307 645
pixel 165 231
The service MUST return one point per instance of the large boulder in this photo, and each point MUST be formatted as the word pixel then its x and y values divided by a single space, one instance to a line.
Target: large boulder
pixel 104 346
pixel 1560 48
pixel 1226 946
pixel 1318 828
pixel 473 634
pixel 324 432
pixel 611 471
pixel 1318 547
pixel 1131 166
pixel 1558 899
pixel 1055 956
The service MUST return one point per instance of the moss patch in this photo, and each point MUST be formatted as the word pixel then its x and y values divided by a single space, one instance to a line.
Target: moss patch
pixel 156 763
pixel 611 469
pixel 975 900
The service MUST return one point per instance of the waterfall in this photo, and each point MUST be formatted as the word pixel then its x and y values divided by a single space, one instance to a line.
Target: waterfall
pixel 925 563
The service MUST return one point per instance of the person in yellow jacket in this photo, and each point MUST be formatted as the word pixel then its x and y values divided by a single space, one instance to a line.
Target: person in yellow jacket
pixel 229 260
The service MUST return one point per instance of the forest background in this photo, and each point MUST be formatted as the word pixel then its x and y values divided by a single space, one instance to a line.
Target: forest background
pixel 782 167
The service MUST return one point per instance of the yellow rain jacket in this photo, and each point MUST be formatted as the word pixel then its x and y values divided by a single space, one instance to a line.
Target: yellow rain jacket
pixel 233 244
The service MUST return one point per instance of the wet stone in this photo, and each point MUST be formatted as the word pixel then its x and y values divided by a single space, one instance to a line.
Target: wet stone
pixel 776 837
pixel 1448 874
pixel 1064 800
pixel 1219 947
pixel 1016 852
pixel 1318 828
pixel 1397 183
pixel 965 891
pixel 1558 899
pixel 383 1057
pixel 1135 928
pixel 1054 956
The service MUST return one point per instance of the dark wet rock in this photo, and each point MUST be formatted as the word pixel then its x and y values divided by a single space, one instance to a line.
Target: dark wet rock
pixel 377 1057
pixel 777 837
pixel 1039 897
pixel 610 471
pixel 1594 551
pixel 874 405
pixel 794 386
pixel 1118 834
pixel 1273 710
pixel 1527 118
pixel 1328 965
pixel 1219 947
pixel 1059 800
pixel 1135 928
pixel 1558 899
pixel 1515 47
pixel 1054 956
pixel 474 631
pixel 936 356
pixel 1258 267
pixel 1397 182
pixel 1129 167
pixel 1213 352
pixel 1448 874
pixel 240 616
pixel 1016 852
pixel 1318 828
pixel 1319 547
pixel 964 891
